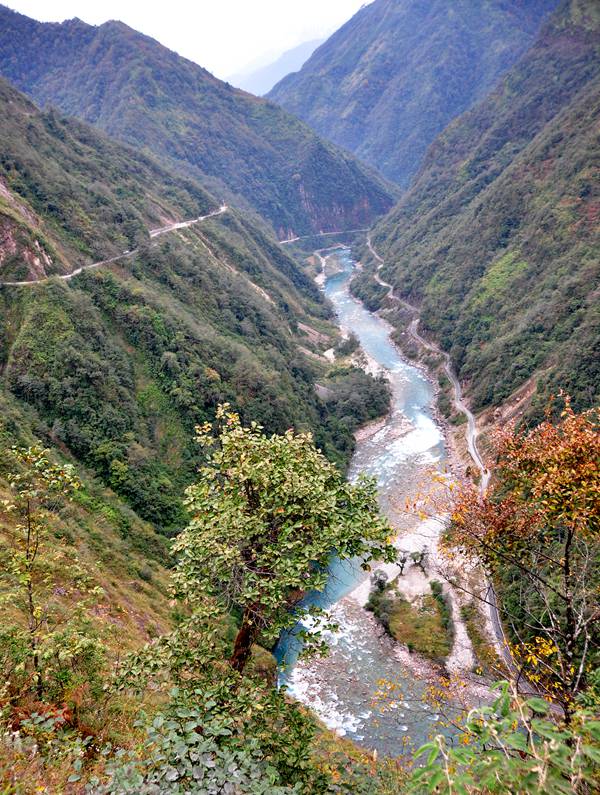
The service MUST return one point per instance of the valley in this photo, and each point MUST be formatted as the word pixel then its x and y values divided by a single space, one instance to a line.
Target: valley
pixel 459 404
pixel 246 150
pixel 496 239
pixel 391 79
pixel 405 452
pixel 300 444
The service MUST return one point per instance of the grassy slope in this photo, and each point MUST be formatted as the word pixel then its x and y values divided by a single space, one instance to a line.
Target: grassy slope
pixel 125 555
pixel 393 76
pixel 498 237
pixel 138 91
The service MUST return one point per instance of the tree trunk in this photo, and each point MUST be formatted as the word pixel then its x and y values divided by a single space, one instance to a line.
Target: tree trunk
pixel 570 631
pixel 242 647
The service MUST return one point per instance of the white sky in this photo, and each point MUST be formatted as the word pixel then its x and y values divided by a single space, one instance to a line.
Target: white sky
pixel 224 36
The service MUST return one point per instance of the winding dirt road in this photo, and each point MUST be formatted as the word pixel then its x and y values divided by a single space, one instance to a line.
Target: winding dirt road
pixel 459 403
pixel 471 439
pixel 124 255
pixel 472 432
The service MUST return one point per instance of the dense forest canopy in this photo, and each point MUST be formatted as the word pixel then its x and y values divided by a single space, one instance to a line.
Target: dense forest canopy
pixel 498 238
pixel 122 361
pixel 399 71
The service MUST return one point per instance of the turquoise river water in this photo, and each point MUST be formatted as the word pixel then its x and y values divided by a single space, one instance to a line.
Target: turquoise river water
pixel 345 688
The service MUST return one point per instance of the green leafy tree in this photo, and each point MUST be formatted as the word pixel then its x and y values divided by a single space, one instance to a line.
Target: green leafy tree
pixel 48 640
pixel 268 512
pixel 189 749
pixel 514 746
pixel 237 716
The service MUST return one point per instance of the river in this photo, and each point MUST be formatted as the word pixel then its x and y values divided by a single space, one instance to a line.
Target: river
pixel 367 688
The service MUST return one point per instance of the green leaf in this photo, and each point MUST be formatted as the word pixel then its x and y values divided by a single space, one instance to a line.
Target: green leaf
pixel 538 705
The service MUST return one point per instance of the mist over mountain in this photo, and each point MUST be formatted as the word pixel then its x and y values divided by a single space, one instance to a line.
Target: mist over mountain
pixel 241 147
pixel 390 79
pixel 261 81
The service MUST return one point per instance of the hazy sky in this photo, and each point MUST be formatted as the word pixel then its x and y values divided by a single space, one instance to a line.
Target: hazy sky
pixel 222 35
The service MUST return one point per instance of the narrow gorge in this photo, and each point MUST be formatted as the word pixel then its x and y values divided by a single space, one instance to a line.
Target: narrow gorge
pixel 370 688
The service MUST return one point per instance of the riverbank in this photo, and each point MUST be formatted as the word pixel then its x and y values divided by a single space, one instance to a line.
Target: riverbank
pixel 463 454
pixel 415 583
pixel 405 452
pixel 462 661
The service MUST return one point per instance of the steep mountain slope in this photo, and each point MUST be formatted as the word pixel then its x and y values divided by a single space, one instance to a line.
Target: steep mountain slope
pixel 499 238
pixel 243 147
pixel 120 362
pixel 128 558
pixel 70 196
pixel 392 77
pixel 260 81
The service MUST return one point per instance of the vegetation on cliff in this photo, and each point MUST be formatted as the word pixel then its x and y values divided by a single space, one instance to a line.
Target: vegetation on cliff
pixel 120 362
pixel 538 535
pixel 180 714
pixel 399 71
pixel 497 239
pixel 242 148
pixel 126 670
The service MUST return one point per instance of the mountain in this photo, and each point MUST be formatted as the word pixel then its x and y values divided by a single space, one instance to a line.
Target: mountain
pixel 117 364
pixel 499 237
pixel 103 377
pixel 388 81
pixel 70 197
pixel 245 149
pixel 260 81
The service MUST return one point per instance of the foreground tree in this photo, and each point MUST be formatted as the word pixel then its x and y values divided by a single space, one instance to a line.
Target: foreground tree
pixel 268 512
pixel 538 535
pixel 513 746
pixel 47 642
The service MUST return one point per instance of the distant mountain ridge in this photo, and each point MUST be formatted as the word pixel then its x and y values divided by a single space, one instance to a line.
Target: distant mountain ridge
pixel 499 237
pixel 389 80
pixel 261 81
pixel 243 148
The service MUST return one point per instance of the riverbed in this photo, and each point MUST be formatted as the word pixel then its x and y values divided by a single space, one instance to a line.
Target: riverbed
pixel 369 688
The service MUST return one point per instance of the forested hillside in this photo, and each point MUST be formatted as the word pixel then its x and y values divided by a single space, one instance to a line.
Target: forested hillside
pixel 399 71
pixel 69 196
pixel 498 239
pixel 244 148
pixel 120 362
pixel 178 407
